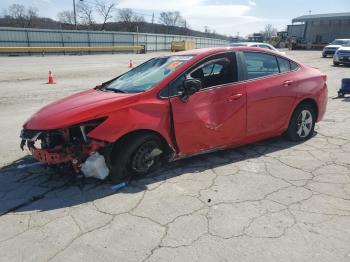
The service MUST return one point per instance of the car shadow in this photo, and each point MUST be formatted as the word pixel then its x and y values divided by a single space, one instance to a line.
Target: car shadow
pixel 26 185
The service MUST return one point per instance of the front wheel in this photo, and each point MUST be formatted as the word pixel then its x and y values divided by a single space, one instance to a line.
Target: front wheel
pixel 324 56
pixel 335 63
pixel 136 156
pixel 302 123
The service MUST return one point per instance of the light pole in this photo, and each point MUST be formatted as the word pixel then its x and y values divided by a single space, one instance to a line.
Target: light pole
pixel 75 15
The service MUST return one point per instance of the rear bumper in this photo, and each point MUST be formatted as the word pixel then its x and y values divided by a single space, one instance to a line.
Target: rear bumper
pixel 322 103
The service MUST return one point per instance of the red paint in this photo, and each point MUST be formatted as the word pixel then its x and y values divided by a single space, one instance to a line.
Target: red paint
pixel 223 116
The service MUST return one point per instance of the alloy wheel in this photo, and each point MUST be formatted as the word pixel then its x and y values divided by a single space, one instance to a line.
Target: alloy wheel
pixel 304 123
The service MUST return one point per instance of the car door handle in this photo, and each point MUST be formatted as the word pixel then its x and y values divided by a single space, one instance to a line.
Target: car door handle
pixel 287 83
pixel 234 97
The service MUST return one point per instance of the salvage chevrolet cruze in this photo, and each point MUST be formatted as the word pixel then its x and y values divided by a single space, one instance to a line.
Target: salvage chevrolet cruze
pixel 177 106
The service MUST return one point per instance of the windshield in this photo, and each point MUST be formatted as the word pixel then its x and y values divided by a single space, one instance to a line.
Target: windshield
pixel 147 75
pixel 338 42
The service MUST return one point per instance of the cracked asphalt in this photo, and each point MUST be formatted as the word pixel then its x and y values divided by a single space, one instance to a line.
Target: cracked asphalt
pixel 270 201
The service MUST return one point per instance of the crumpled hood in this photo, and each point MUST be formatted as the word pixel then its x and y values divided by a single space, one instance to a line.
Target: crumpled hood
pixel 77 108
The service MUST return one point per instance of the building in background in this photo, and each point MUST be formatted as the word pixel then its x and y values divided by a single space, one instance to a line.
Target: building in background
pixel 320 29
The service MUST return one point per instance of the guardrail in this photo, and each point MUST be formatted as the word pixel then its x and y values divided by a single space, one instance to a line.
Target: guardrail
pixel 135 48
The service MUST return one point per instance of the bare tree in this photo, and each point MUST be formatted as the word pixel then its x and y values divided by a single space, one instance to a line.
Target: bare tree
pixel 105 10
pixel 85 13
pixel 269 31
pixel 66 17
pixel 16 11
pixel 170 19
pixel 22 15
pixel 126 16
pixel 138 18
pixel 32 13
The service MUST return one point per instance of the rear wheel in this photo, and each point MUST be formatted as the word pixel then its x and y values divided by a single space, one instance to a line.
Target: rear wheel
pixel 136 155
pixel 302 123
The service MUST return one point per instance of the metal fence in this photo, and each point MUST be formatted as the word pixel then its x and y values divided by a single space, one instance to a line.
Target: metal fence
pixel 22 37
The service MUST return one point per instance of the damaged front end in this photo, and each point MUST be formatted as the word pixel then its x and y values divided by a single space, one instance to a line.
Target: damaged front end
pixel 63 146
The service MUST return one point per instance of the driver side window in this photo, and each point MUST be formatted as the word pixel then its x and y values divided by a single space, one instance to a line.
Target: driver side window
pixel 217 70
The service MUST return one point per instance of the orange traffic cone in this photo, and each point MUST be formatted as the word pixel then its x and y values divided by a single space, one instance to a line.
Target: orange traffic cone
pixel 50 80
pixel 130 64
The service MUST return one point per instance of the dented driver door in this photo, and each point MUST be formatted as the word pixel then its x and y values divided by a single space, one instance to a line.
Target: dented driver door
pixel 213 117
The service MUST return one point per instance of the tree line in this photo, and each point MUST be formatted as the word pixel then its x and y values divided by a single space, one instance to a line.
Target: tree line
pixel 88 13
pixel 110 18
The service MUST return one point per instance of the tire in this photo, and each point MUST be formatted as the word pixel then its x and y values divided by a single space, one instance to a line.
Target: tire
pixel 324 56
pixel 335 63
pixel 128 158
pixel 341 95
pixel 301 127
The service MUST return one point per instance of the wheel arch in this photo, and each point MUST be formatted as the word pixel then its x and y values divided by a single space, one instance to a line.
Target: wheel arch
pixel 309 101
pixel 138 132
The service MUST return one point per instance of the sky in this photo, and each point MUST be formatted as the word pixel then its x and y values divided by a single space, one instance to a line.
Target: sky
pixel 230 17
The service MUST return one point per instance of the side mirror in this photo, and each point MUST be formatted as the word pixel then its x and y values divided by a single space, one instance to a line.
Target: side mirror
pixel 191 86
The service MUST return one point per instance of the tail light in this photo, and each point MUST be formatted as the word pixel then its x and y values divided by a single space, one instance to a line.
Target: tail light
pixel 324 76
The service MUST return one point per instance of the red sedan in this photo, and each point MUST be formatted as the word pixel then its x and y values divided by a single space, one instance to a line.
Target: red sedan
pixel 180 105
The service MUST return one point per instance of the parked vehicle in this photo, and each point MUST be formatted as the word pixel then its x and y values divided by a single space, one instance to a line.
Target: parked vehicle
pixel 342 55
pixel 176 106
pixel 332 47
pixel 257 44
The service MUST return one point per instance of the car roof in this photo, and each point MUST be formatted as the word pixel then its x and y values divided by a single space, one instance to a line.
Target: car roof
pixel 249 43
pixel 214 50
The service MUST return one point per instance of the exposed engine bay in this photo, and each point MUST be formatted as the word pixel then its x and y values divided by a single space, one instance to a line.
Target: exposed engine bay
pixel 63 146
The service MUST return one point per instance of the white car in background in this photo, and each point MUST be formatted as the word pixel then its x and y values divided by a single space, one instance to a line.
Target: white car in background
pixel 342 55
pixel 332 47
pixel 256 44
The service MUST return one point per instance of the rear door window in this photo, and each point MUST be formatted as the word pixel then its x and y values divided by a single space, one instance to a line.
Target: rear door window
pixel 260 64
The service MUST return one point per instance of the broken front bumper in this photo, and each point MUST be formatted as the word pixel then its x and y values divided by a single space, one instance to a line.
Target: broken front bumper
pixel 59 147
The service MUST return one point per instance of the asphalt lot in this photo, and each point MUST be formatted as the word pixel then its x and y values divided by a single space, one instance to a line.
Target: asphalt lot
pixel 270 201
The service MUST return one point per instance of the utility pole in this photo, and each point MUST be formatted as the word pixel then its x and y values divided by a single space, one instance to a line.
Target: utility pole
pixel 152 22
pixel 75 15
